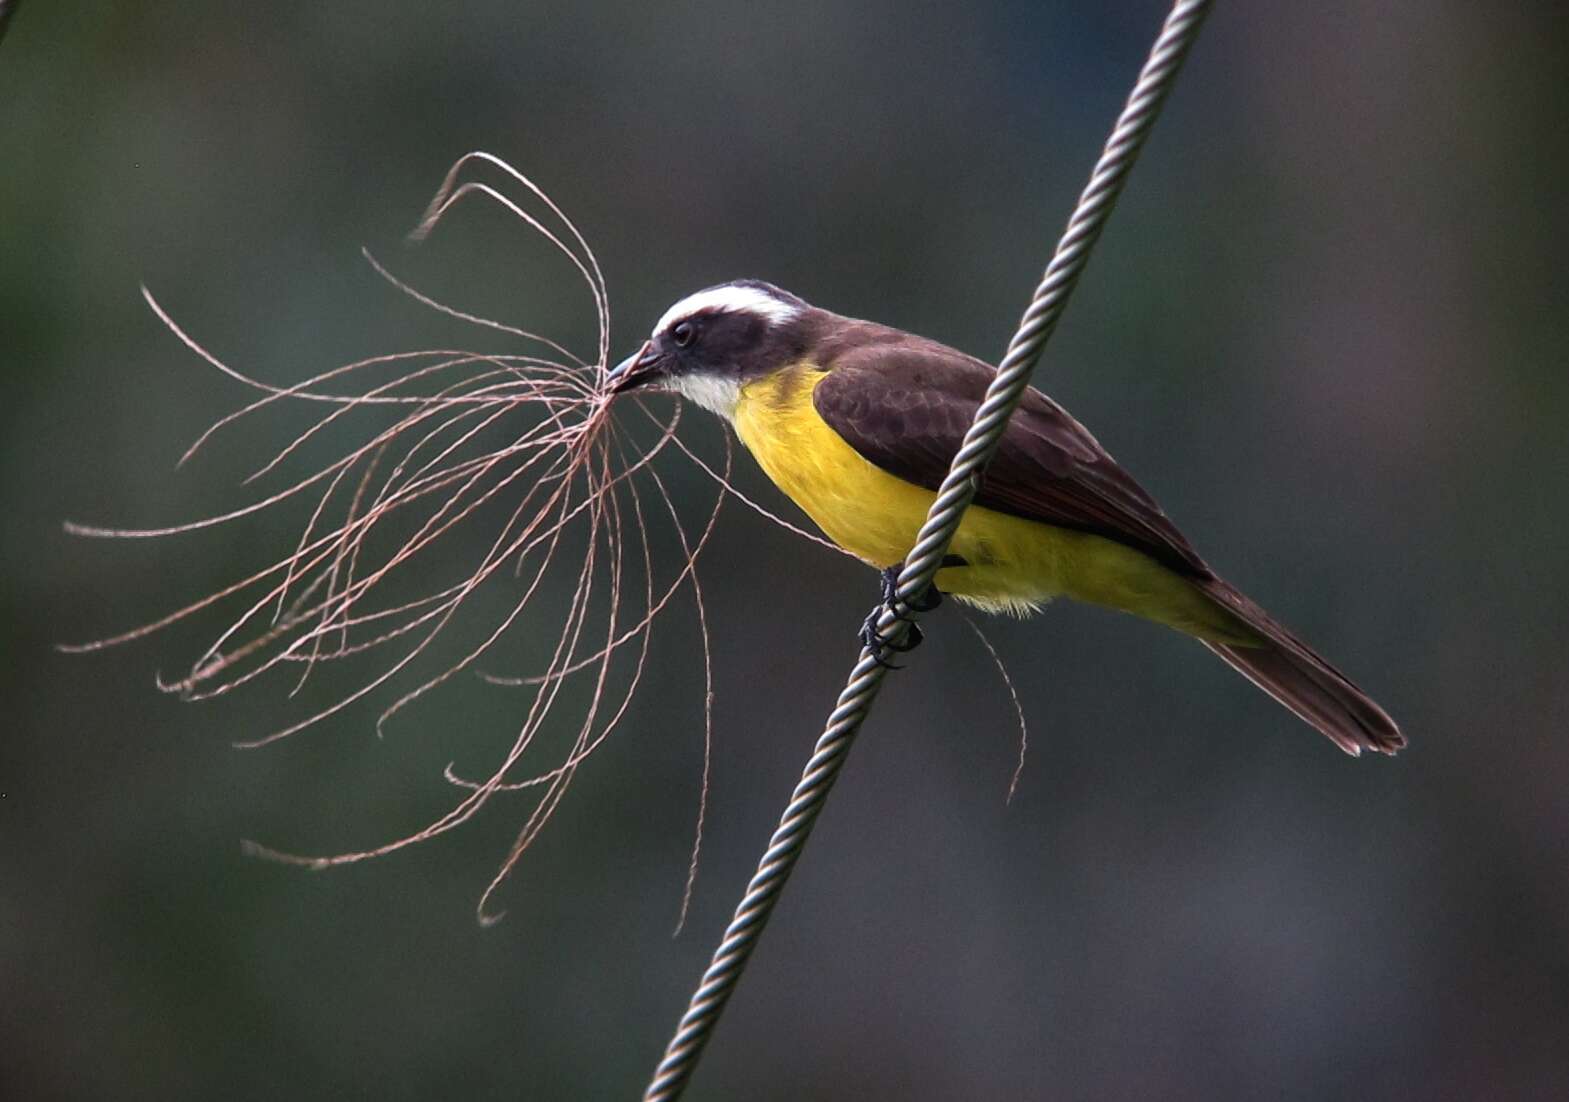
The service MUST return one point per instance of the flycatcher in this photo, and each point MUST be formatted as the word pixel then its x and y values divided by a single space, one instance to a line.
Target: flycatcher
pixel 858 422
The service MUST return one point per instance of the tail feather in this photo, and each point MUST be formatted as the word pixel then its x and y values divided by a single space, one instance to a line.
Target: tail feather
pixel 1294 674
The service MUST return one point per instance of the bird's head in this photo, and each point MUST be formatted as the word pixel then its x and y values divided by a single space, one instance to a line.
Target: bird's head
pixel 709 344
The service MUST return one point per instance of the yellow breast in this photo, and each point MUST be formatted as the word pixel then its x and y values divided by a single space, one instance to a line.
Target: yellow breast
pixel 876 516
pixel 1013 564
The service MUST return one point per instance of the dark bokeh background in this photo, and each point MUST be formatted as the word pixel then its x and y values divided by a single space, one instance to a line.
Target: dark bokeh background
pixel 1326 327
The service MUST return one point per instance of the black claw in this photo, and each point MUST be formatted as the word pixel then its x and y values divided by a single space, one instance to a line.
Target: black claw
pixel 928 601
pixel 875 641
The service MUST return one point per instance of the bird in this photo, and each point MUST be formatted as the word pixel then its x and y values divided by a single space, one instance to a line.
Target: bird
pixel 857 423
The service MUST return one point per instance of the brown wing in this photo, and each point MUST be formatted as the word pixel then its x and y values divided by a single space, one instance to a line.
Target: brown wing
pixel 904 403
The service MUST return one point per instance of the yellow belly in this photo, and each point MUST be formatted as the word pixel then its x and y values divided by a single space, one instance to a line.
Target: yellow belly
pixel 1013 564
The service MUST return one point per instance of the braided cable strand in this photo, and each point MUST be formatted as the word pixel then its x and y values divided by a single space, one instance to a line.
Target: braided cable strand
pixel 931 545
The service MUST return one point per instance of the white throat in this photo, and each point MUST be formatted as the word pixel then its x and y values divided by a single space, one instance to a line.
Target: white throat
pixel 715 393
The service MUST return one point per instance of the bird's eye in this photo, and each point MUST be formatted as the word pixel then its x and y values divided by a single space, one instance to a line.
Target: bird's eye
pixel 683 334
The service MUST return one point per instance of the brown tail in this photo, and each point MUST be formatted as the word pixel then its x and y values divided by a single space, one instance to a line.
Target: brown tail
pixel 1294 674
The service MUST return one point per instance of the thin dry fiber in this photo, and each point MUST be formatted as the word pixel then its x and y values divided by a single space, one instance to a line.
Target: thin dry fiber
pixel 473 437
pixel 527 437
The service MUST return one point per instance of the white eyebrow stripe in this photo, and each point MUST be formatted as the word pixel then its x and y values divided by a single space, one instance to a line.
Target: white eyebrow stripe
pixel 730 298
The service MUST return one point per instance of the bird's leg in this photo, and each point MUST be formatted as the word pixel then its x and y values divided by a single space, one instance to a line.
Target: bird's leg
pixel 876 642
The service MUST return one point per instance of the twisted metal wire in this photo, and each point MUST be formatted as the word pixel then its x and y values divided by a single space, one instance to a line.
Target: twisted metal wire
pixel 925 558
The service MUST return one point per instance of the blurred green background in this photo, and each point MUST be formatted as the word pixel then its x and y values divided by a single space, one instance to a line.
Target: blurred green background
pixel 1326 328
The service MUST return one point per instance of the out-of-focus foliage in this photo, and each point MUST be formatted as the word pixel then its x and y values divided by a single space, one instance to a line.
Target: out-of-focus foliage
pixel 1326 328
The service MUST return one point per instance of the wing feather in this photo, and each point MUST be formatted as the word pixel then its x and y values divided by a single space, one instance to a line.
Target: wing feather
pixel 904 403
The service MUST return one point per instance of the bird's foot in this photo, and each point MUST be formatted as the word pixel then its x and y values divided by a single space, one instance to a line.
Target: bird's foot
pixel 879 644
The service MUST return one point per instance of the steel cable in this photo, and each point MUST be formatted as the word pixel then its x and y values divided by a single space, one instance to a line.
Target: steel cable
pixel 931 545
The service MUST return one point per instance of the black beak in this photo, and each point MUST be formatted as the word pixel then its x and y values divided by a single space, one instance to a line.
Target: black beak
pixel 639 368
